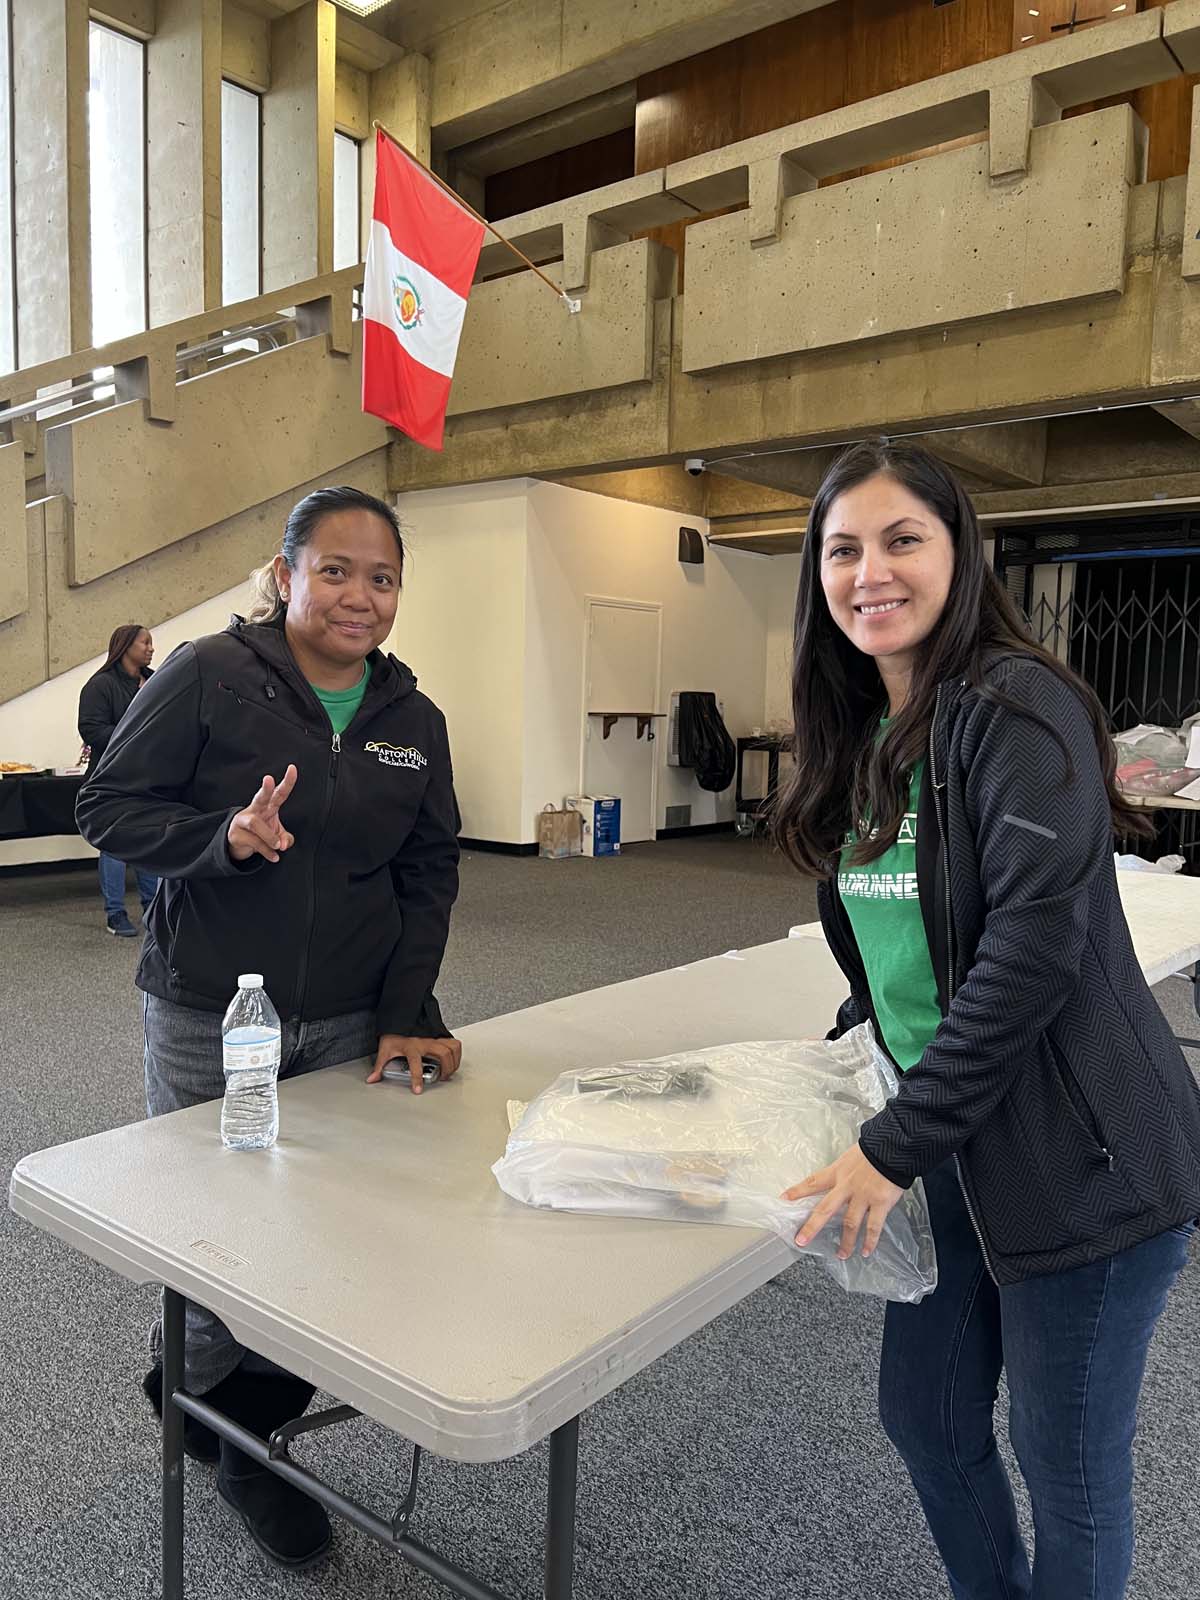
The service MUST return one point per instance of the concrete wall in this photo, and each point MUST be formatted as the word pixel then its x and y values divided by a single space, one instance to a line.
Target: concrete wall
pixel 781 609
pixel 932 243
pixel 238 438
pixel 41 727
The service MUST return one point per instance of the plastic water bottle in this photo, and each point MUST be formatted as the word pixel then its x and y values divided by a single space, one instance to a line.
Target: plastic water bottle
pixel 250 1038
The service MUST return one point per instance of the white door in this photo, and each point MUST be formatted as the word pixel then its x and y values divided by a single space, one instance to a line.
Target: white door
pixel 621 674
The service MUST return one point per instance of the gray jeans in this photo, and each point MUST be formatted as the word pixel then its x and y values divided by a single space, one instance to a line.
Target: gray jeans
pixel 183 1067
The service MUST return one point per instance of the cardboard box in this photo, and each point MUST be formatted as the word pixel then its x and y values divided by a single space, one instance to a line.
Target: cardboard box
pixel 601 815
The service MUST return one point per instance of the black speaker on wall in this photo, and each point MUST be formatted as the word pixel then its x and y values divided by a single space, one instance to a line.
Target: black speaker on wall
pixel 691 547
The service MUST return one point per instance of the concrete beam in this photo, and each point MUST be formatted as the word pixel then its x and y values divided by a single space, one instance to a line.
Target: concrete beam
pixel 1157 493
pixel 397 96
pixel 183 160
pixel 297 145
pixel 246 49
pixel 1013 454
pixel 51 72
pixel 593 118
pixel 1184 414
pixel 1181 31
pixel 362 47
pixel 797 472
pixel 351 100
pixel 524 58
pixel 574 229
pixel 138 17
pixel 669 488
pixel 1014 110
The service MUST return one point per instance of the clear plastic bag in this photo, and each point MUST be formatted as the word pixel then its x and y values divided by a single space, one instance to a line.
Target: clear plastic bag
pixel 716 1136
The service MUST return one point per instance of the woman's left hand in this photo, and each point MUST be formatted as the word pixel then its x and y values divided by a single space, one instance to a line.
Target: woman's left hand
pixel 850 1184
pixel 447 1051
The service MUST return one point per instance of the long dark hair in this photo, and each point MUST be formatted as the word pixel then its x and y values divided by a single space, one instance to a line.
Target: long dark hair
pixel 299 529
pixel 842 772
pixel 122 638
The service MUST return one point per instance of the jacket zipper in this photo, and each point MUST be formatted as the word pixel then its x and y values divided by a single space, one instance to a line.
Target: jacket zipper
pixel 302 978
pixel 938 788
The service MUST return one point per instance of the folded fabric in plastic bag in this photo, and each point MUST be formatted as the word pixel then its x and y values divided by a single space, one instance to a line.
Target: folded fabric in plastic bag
pixel 716 1136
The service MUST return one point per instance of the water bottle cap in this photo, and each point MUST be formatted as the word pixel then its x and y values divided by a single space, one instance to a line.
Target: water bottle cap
pixel 250 980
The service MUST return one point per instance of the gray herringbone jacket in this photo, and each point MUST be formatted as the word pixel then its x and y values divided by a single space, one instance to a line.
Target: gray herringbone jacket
pixel 1053 1078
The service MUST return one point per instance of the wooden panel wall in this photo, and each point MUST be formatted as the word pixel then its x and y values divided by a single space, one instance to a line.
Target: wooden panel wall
pixel 850 51
pixel 831 57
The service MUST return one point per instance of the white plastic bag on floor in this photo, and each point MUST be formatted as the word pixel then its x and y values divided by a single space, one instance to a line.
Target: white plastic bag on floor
pixel 716 1136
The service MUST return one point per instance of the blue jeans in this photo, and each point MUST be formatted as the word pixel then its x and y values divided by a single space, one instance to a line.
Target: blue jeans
pixel 1074 1347
pixel 112 885
pixel 183 1064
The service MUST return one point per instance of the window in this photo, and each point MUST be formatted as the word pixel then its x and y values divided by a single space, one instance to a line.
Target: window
pixel 241 189
pixel 117 159
pixel 346 248
pixel 8 338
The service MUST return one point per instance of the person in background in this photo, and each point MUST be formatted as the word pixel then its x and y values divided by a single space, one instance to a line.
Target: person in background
pixel 104 700
pixel 294 788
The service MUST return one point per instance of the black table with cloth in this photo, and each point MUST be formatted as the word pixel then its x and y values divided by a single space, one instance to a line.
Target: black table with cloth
pixel 35 807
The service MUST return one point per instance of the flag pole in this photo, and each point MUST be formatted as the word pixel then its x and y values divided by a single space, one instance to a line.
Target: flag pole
pixel 571 304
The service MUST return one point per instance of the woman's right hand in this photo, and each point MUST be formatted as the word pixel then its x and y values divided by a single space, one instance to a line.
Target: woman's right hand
pixel 258 830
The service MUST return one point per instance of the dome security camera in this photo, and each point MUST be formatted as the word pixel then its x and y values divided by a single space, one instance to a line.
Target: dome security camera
pixel 694 466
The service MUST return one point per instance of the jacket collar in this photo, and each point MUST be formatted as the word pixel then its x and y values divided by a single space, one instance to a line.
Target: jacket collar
pixel 390 678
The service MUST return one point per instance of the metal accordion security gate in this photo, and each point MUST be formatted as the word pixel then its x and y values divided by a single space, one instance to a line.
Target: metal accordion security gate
pixel 1118 600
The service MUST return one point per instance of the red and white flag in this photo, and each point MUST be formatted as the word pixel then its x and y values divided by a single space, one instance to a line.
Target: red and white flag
pixel 421 258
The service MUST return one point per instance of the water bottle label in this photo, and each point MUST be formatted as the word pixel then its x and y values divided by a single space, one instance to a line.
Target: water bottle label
pixel 260 1055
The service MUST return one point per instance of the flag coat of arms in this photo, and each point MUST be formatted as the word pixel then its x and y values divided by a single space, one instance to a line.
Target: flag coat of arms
pixel 421 257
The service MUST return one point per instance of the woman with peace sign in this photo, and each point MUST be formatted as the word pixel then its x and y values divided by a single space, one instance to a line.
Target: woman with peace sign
pixel 292 788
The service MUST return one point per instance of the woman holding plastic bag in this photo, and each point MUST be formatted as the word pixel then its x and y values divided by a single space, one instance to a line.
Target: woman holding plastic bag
pixel 953 793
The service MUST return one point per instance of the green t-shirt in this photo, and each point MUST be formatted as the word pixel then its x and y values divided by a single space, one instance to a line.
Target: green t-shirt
pixel 885 912
pixel 341 704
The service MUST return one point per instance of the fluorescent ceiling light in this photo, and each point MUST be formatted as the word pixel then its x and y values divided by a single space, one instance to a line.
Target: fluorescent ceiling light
pixel 361 8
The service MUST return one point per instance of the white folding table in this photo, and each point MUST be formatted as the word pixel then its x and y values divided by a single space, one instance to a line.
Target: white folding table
pixel 372 1253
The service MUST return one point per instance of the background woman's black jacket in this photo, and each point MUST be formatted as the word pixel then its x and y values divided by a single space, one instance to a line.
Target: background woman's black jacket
pixel 1053 1078
pixel 103 701
pixel 355 915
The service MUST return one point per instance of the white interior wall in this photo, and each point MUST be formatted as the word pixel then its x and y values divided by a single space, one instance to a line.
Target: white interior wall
pixel 461 628
pixel 781 610
pixel 713 634
pixel 41 727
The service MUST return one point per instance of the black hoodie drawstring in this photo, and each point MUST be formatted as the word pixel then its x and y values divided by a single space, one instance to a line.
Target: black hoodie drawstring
pixel 270 690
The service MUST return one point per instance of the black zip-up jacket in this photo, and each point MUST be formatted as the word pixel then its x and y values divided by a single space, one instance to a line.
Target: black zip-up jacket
pixel 355 915
pixel 103 701
pixel 1053 1077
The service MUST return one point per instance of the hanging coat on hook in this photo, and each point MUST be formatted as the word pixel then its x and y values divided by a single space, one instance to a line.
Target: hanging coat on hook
pixel 704 741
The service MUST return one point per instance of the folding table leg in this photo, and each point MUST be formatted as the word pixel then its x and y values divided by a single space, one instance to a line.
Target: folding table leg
pixel 560 1518
pixel 172 1447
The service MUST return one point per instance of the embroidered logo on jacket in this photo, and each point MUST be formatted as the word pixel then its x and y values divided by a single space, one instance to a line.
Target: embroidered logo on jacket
pixel 392 755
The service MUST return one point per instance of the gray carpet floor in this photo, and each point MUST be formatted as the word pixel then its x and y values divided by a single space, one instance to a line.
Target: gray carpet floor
pixel 747 1463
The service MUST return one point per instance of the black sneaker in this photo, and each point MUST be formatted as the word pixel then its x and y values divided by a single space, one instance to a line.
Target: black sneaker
pixel 121 926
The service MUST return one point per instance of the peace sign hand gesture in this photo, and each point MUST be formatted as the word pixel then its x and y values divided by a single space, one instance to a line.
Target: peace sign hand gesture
pixel 258 830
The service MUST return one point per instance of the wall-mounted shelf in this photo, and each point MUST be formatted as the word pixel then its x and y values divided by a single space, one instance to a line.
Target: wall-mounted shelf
pixel 644 720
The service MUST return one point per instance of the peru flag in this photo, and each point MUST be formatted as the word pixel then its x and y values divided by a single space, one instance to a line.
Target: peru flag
pixel 421 258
